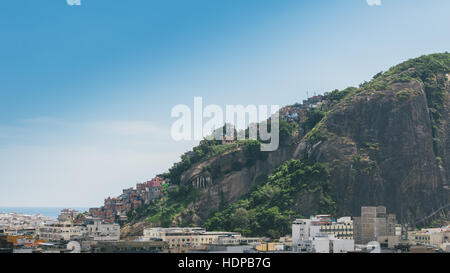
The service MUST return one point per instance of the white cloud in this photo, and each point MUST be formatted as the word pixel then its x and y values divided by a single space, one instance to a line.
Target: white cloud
pixel 374 2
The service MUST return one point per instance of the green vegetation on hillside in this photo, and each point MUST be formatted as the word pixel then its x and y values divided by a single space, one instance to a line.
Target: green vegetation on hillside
pixel 317 116
pixel 206 149
pixel 268 210
pixel 314 116
pixel 210 148
pixel 286 130
pixel 432 71
pixel 337 96
pixel 174 201
pixel 176 198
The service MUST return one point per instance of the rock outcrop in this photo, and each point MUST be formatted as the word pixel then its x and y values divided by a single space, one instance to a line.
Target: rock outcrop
pixel 386 143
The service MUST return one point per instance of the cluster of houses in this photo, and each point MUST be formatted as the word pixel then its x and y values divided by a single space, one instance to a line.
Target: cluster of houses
pixel 297 113
pixel 115 209
pixel 16 220
pixel 71 231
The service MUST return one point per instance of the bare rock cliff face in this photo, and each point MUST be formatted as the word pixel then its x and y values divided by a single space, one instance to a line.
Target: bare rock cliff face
pixel 444 137
pixel 380 150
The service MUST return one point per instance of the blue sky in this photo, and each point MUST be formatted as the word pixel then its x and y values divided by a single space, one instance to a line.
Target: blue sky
pixel 86 91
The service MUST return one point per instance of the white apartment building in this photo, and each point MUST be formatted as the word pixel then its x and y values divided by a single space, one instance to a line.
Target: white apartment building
pixel 324 243
pixel 342 228
pixel 96 230
pixel 194 237
pixel 301 235
pixel 60 231
pixel 320 234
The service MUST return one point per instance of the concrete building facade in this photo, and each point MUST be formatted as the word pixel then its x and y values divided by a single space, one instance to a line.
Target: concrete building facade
pixel 61 231
pixel 103 231
pixel 373 223
pixel 195 237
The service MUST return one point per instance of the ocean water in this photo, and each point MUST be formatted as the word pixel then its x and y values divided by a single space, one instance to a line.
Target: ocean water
pixel 51 212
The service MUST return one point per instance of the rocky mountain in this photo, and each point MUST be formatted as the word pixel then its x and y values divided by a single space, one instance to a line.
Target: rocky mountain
pixel 384 143
pixel 388 143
